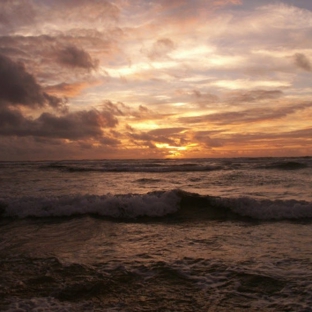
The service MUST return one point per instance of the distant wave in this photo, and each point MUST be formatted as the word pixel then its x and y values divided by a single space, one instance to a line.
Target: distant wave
pixel 175 204
pixel 287 165
pixel 189 167
pixel 167 166
pixel 147 180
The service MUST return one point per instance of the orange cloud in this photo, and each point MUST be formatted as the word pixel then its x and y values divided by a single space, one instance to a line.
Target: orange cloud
pixel 69 90
pixel 155 78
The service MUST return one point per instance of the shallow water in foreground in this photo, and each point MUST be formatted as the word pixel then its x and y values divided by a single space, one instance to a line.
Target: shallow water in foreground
pixel 90 264
pixel 155 248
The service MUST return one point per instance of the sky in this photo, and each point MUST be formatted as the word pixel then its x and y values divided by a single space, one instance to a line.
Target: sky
pixel 118 79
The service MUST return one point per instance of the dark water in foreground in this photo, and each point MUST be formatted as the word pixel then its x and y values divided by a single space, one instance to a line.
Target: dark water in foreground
pixel 185 235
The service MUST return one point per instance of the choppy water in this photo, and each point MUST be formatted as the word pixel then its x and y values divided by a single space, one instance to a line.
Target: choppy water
pixel 156 235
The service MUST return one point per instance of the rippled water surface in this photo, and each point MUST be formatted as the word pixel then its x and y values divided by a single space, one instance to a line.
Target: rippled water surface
pixel 195 235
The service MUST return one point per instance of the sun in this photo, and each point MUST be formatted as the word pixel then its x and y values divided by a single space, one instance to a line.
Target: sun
pixel 175 151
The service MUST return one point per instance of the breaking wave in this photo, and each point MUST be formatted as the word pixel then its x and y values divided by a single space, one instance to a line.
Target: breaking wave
pixel 175 204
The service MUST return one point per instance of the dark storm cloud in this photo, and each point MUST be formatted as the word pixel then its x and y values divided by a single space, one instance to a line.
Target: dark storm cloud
pixel 303 62
pixel 12 121
pixel 74 57
pixel 76 125
pixel 18 87
pixel 73 126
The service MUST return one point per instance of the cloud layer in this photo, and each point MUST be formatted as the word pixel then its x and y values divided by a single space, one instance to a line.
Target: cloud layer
pixel 123 79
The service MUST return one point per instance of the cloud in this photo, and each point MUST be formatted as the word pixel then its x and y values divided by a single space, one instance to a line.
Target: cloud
pixel 178 67
pixel 84 11
pixel 246 116
pixel 12 121
pixel 183 9
pixel 181 18
pixel 171 136
pixel 204 99
pixel 133 114
pixel 53 58
pixel 242 140
pixel 161 48
pixel 72 126
pixel 68 89
pixel 302 62
pixel 204 137
pixel 253 95
pixel 75 125
pixel 18 87
pixel 22 15
pixel 109 141
pixel 15 14
pixel 74 57
pixel 167 131
pixel 270 138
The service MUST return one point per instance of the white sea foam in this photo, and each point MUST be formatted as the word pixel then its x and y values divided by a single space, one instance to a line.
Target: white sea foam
pixel 268 209
pixel 123 206
pixel 39 304
pixel 154 204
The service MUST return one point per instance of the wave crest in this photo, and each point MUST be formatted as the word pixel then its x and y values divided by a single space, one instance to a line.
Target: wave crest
pixel 153 204
pixel 178 204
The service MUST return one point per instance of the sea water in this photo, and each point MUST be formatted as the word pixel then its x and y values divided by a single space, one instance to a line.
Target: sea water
pixel 156 235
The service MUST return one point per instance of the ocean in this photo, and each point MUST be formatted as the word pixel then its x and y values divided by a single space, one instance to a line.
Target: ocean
pixel 156 235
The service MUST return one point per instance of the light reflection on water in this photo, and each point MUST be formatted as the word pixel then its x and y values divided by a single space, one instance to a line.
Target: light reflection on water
pixel 88 240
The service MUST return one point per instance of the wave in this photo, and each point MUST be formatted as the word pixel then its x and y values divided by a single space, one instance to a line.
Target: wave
pixel 285 165
pixel 149 168
pixel 147 180
pixel 153 166
pixel 176 205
